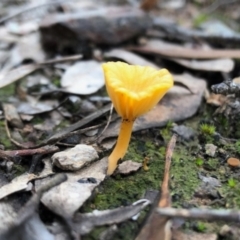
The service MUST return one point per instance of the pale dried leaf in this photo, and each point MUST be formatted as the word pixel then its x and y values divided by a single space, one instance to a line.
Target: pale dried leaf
pixel 21 182
pixel 85 77
pixel 84 223
pixel 8 77
pixel 36 108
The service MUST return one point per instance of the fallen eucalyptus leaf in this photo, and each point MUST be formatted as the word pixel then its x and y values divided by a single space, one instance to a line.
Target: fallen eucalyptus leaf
pixel 36 108
pixel 21 182
pixel 84 223
pixel 8 77
pixel 81 79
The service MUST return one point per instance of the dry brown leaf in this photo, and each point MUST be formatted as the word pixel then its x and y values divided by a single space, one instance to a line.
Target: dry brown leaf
pixel 216 99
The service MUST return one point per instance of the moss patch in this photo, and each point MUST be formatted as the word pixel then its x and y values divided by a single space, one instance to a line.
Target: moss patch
pixel 188 161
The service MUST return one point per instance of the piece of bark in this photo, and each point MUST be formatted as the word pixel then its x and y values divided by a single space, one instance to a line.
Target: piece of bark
pixel 109 25
pixel 12 116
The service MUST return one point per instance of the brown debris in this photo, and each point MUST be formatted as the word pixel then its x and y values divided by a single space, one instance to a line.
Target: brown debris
pixel 148 4
pixel 233 162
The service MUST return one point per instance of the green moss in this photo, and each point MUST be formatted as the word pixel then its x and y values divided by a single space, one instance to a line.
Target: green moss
pixel 212 164
pixel 200 19
pixel 124 190
pixel 207 129
pixel 7 92
pixel 37 120
pixel 19 169
pixel 237 147
pixel 232 183
pixel 201 226
pixel 63 124
pixel 120 190
pixel 199 162
pixel 57 82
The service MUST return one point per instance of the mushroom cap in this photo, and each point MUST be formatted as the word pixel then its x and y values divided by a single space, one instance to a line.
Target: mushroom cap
pixel 134 90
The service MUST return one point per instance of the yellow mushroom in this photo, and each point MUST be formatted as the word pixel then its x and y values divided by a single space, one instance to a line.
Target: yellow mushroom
pixel 134 90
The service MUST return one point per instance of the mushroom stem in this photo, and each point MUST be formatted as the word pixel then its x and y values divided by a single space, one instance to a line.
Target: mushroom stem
pixel 121 146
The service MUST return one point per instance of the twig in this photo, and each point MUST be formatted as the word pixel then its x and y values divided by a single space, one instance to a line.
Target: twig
pixel 67 132
pixel 10 138
pixel 28 152
pixel 201 214
pixel 108 122
pixel 61 60
pixel 56 138
pixel 165 200
pixel 158 227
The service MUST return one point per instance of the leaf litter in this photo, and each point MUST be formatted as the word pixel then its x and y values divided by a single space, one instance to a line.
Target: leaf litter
pixel 58 120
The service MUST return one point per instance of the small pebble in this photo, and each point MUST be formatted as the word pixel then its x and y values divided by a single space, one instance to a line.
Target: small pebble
pixel 128 167
pixel 184 132
pixel 210 149
pixel 233 162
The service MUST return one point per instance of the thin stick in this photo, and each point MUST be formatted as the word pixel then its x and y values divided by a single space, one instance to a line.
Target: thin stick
pixel 108 122
pixel 165 195
pixel 158 227
pixel 28 152
pixel 201 214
